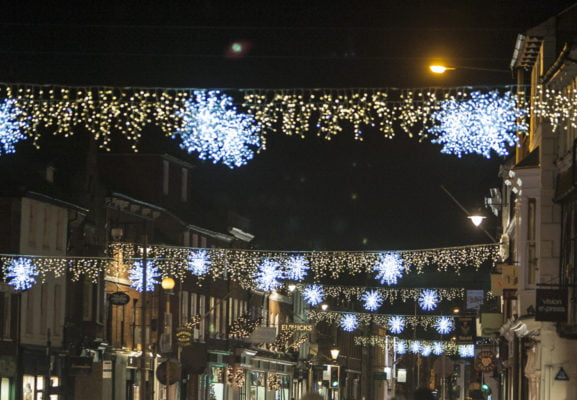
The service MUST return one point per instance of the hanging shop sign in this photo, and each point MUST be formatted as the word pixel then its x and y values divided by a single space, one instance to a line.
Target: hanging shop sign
pixel 561 375
pixel 485 361
pixel 551 305
pixel 465 329
pixel 475 299
pixel 184 336
pixel 118 298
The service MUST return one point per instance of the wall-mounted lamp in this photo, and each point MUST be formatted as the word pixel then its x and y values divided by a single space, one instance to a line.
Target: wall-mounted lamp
pixel 335 353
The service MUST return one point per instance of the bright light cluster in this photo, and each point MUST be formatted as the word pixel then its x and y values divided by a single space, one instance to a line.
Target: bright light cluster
pixel 389 268
pixel 438 348
pixel 483 123
pixel 415 347
pixel 349 322
pixel 401 347
pixel 426 350
pixel 466 350
pixel 268 276
pixel 444 325
pixel 136 276
pixel 213 128
pixel 428 299
pixel 20 273
pixel 296 268
pixel 373 300
pixel 11 126
pixel 313 294
pixel 396 324
pixel 198 262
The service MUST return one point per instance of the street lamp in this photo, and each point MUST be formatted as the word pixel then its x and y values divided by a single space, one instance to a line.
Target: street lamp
pixel 335 353
pixel 477 218
pixel 441 69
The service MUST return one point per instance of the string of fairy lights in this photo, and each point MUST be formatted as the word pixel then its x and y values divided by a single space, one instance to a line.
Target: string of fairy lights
pixel 416 346
pixel 228 128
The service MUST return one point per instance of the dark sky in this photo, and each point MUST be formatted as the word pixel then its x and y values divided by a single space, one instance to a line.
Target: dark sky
pixel 299 194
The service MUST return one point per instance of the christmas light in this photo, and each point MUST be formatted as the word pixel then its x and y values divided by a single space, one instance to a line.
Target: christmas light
pixel 444 325
pixel 373 300
pixel 483 123
pixel 428 300
pixel 136 276
pixel 396 324
pixel 296 268
pixel 313 294
pixel 20 273
pixel 349 322
pixel 268 276
pixel 426 350
pixel 12 125
pixel 401 347
pixel 198 262
pixel 466 350
pixel 213 128
pixel 415 347
pixel 438 348
pixel 389 268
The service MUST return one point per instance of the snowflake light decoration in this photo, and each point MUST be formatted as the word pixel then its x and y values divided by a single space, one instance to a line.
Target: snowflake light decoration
pixel 212 127
pixel 268 275
pixel 438 348
pixel 136 276
pixel 444 325
pixel 486 122
pixel 373 300
pixel 198 262
pixel 415 347
pixel 401 347
pixel 349 322
pixel 313 294
pixel 426 350
pixel 296 268
pixel 389 268
pixel 11 126
pixel 20 273
pixel 396 324
pixel 466 350
pixel 428 299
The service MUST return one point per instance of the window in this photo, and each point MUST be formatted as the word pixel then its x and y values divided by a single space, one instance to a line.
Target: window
pixel 184 185
pixel 202 311
pixel 32 224
pixel 43 309
pixel 57 317
pixel 30 311
pixel 5 315
pixel 86 301
pixel 531 243
pixel 184 312
pixel 211 325
pixel 60 234
pixel 46 228
pixel 165 176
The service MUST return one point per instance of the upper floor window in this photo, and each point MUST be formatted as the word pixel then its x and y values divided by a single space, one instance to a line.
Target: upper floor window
pixel 184 185
pixel 165 176
pixel 531 241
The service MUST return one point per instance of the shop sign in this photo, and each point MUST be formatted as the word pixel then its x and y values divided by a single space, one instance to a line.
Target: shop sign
pixel 475 299
pixel 465 329
pixel 107 369
pixel 297 327
pixel 184 336
pixel 551 305
pixel 262 335
pixel 485 361
pixel 118 298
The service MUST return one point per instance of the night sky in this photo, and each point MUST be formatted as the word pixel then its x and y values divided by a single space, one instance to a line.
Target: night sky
pixel 299 194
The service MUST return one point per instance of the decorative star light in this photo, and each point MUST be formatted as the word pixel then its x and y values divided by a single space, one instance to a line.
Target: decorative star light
pixel 486 122
pixel 212 127
pixel 136 276
pixel 349 322
pixel 444 325
pixel 438 348
pixel 11 126
pixel 415 347
pixel 20 273
pixel 198 262
pixel 401 347
pixel 428 299
pixel 296 268
pixel 313 294
pixel 389 268
pixel 373 300
pixel 466 350
pixel 426 350
pixel 268 276
pixel 396 324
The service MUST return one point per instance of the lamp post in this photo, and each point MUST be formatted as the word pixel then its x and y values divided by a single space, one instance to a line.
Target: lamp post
pixel 143 319
pixel 168 285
